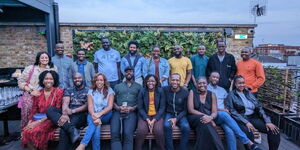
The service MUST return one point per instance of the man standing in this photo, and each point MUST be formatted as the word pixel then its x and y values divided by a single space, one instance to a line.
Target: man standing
pixel 223 63
pixel 251 70
pixel 181 65
pixel 124 119
pixel 63 64
pixel 199 62
pixel 73 113
pixel 135 60
pixel 176 109
pixel 107 61
pixel 84 67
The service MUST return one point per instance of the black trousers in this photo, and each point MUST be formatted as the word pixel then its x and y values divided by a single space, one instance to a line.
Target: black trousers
pixel 207 136
pixel 260 125
pixel 77 120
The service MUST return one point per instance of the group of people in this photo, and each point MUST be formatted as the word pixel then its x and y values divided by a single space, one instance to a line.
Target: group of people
pixel 136 95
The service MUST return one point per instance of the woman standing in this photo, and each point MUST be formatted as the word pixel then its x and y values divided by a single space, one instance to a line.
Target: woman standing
pixel 151 107
pixel 249 114
pixel 40 129
pixel 100 104
pixel 29 82
pixel 202 106
pixel 157 66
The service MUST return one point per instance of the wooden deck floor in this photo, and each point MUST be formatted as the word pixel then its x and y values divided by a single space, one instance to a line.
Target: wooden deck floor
pixel 16 145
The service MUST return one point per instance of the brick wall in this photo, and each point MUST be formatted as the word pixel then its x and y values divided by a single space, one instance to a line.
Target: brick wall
pixel 19 45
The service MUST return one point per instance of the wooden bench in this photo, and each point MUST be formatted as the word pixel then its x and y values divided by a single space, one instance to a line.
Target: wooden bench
pixel 105 133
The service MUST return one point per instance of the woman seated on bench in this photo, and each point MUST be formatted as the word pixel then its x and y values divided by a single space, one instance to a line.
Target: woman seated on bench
pixel 40 129
pixel 248 112
pixel 151 106
pixel 202 106
pixel 100 104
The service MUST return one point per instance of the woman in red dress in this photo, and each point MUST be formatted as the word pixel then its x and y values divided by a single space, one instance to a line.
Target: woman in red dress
pixel 39 129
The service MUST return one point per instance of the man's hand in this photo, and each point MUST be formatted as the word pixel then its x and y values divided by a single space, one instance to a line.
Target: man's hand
pixel 272 127
pixel 62 120
pixel 173 121
pixel 250 127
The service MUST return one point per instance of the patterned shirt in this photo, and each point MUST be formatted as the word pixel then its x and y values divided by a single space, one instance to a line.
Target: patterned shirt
pixel 77 97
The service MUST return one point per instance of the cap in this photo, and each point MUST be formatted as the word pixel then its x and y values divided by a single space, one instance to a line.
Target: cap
pixel 129 68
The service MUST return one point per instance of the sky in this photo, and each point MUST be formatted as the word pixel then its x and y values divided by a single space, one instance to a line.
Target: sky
pixel 281 24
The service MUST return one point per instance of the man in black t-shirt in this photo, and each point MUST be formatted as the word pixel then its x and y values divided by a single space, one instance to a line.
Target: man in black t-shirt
pixel 73 113
pixel 176 109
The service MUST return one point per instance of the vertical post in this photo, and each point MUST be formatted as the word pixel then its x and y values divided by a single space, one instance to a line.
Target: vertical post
pixel 285 89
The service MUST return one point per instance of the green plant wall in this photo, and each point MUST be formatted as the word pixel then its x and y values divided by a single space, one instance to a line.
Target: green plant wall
pixel 147 39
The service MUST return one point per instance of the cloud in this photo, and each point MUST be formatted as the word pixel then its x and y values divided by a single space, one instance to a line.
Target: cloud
pixel 280 24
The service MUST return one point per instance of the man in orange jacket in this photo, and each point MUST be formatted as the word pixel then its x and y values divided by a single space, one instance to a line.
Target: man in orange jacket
pixel 252 70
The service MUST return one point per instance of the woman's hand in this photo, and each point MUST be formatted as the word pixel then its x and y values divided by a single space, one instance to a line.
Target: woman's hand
pixel 35 93
pixel 206 119
pixel 32 125
pixel 250 127
pixel 98 121
pixel 272 127
pixel 150 124
pixel 94 116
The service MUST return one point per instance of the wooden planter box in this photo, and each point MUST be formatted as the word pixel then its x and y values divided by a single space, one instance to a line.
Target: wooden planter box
pixel 291 127
pixel 277 117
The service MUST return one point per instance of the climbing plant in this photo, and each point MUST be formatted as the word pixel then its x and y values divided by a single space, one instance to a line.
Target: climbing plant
pixel 147 39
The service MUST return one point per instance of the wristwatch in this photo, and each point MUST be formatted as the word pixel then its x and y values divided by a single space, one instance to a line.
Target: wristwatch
pixel 29 91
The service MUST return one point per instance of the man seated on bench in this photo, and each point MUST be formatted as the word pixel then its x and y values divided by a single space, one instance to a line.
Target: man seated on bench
pixel 124 119
pixel 224 120
pixel 73 113
pixel 176 109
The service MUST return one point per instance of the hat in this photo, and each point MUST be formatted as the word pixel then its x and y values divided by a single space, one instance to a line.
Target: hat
pixel 129 68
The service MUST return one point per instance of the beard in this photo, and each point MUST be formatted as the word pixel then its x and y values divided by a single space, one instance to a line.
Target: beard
pixel 78 85
pixel 177 55
pixel 128 78
pixel 132 52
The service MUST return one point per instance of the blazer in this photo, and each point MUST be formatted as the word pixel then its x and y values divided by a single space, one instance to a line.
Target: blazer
pixel 237 107
pixel 143 103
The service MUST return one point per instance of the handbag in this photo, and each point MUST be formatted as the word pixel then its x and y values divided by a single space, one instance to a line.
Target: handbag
pixel 39 116
pixel 25 96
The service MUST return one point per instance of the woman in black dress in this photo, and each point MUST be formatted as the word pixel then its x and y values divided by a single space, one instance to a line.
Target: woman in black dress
pixel 202 108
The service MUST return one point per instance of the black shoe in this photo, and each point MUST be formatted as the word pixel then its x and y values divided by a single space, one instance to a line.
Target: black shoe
pixel 254 147
pixel 74 135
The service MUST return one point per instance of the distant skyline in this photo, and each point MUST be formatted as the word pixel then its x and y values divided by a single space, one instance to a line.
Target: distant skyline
pixel 281 25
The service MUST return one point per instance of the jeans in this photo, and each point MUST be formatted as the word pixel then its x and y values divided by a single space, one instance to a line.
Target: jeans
pixel 184 128
pixel 231 128
pixel 122 128
pixel 77 120
pixel 94 131
pixel 260 125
